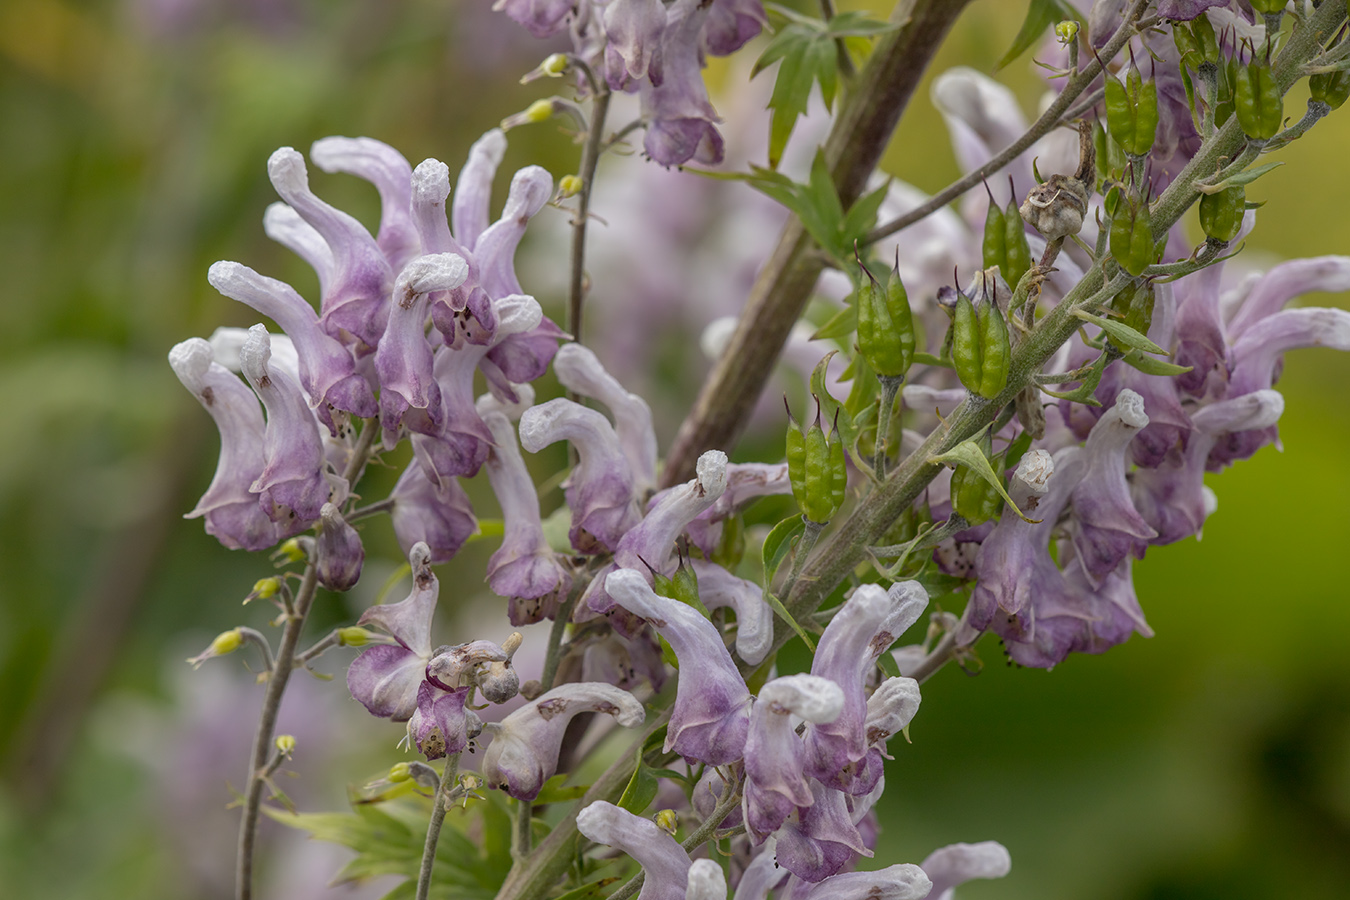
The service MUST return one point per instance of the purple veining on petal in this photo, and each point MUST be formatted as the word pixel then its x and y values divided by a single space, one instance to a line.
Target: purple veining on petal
pixel 633 29
pixel 439 516
pixel 710 718
pixel 524 749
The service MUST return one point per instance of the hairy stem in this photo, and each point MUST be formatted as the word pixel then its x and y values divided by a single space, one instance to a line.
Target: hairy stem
pixel 590 155
pixel 276 687
pixel 434 826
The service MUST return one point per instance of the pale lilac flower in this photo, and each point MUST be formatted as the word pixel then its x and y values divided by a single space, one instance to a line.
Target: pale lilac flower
pixel 775 783
pixel 386 678
pixel 327 371
pixel 338 551
pixel 706 881
pixel 754 618
pixel 680 119
pixel 389 172
pixel 823 840
pixel 600 490
pixel 711 714
pixel 664 862
pixel 355 303
pixel 861 631
pixel 746 482
pixel 1109 528
pixel 541 18
pixel 524 569
pixel 524 749
pixel 579 370
pixel 441 724
pixel 633 29
pixel 230 510
pixel 469 213
pixel 438 515
pixel 652 541
pixel 294 484
pixel 955 864
pixel 731 23
pixel 904 881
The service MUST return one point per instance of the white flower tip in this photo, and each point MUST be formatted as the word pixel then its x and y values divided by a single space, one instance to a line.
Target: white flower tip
pixel 1209 499
pixel 893 705
pixel 256 353
pixel 490 405
pixel 419 557
pixel 712 473
pixel 517 313
pixel 959 863
pixel 431 181
pixel 335 153
pixel 1034 470
pixel 601 819
pixel 531 188
pixel 331 516
pixel 809 697
pixel 1130 407
pixel 706 880
pixel 433 272
pixel 716 336
pixel 225 275
pixel 537 423
pixel 280 217
pixel 286 170
pixel 191 360
pixel 492 145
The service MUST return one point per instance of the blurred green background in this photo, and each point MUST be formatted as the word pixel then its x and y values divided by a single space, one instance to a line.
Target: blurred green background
pixel 1210 761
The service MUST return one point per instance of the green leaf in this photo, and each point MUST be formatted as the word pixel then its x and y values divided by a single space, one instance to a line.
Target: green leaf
pixel 1041 14
pixel 778 543
pixel 929 359
pixel 862 215
pixel 968 454
pixel 839 325
pixel 1152 366
pixel 1121 333
pixel 641 789
pixel 556 791
pixel 778 607
pixel 855 23
pixel 1244 177
pixel 1016 450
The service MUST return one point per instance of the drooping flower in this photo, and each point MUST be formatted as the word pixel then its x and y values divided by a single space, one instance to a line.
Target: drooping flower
pixel 664 862
pixel 955 864
pixel 386 678
pixel 338 551
pixel 438 515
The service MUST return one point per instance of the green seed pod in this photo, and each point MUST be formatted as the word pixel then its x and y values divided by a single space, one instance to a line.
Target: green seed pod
pixel 1331 88
pixel 1110 158
pixel 1221 213
pixel 1132 236
pixel 1132 112
pixel 838 468
pixel 1257 99
pixel 973 498
pixel 1207 40
pixel 1017 250
pixel 1224 102
pixel 1135 305
pixel 796 459
pixel 885 326
pixel 995 246
pixel 996 349
pixel 1188 46
pixel 966 351
pixel 684 587
pixel 819 481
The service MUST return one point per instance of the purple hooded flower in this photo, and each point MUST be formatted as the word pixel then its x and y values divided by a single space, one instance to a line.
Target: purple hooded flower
pixel 542 18
pixel 294 484
pixel 441 725
pixel 956 864
pixel 338 551
pixel 231 510
pixel 652 541
pixel 633 29
pixel 389 172
pixel 904 881
pixel 754 618
pixel 356 299
pixel 326 368
pixel 1186 10
pixel 600 490
pixel 664 862
pixel 679 117
pixel 524 749
pixel 524 569
pixel 731 23
pixel 580 371
pixel 861 631
pixel 1108 527
pixel 823 840
pixel 473 187
pixel 745 482
pixel 711 715
pixel 436 515
pixel 386 678
pixel 1200 341
pixel 403 360
pixel 283 224
pixel 775 785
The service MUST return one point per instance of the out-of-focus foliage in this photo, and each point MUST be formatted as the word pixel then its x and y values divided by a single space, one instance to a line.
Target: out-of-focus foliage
pixel 1210 761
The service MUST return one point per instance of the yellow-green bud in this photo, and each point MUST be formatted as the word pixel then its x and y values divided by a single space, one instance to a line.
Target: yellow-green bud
pixel 400 772
pixel 285 744
pixel 569 185
pixel 266 588
pixel 354 636
pixel 668 821
pixel 291 551
pixel 1066 31
pixel 554 64
pixel 225 642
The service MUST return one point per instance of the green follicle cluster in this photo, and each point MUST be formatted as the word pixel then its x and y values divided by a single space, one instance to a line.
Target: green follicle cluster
pixel 1132 113
pixel 885 324
pixel 973 498
pixel 1005 239
pixel 1331 88
pixel 1134 306
pixel 1258 100
pixel 1221 213
pixel 981 350
pixel 816 468
pixel 1131 233
pixel 682 586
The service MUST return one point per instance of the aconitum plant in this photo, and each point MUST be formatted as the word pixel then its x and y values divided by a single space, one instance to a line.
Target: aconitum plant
pixel 1034 389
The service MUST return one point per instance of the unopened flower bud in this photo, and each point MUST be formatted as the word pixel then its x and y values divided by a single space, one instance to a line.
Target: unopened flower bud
pixel 1066 31
pixel 264 589
pixel 553 66
pixel 569 186
pixel 285 744
pixel 290 551
pixel 399 772
pixel 225 642
pixel 354 636
pixel 538 111
pixel 338 551
pixel 668 821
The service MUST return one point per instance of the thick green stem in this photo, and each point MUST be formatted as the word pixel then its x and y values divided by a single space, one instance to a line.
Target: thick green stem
pixel 890 386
